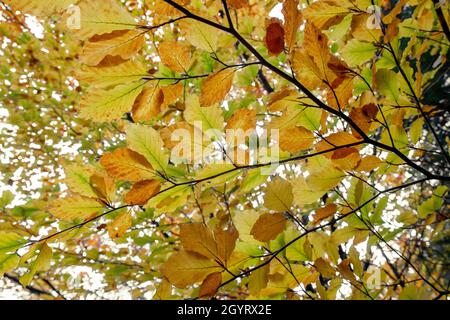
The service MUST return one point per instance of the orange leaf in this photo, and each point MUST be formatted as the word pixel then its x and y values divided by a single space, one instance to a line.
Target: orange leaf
pixel 142 191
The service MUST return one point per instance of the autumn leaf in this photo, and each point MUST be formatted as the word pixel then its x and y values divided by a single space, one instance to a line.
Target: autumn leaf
pixel 268 226
pixel 142 191
pixel 184 268
pixel 210 284
pixel 292 20
pixel 175 55
pixel 216 87
pixel 125 164
pixel 278 195
pixel 120 225
pixel 74 208
pixel 274 38
pixel 296 139
pixel 325 13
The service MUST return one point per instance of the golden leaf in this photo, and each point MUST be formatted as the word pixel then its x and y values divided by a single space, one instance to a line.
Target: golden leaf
pixel 278 195
pixel 216 86
pixel 119 226
pixel 292 20
pixel 175 55
pixel 185 268
pixel 296 139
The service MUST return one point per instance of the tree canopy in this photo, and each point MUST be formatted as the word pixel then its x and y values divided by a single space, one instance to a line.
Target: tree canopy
pixel 235 149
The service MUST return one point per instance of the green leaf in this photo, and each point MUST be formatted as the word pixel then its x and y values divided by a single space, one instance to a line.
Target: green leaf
pixel 357 52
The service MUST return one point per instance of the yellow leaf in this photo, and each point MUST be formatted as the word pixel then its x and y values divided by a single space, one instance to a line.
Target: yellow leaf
pixel 142 191
pixel 296 139
pixel 244 119
pixel 122 43
pixel 78 180
pixel 268 226
pixel 102 105
pixel 281 99
pixel 119 226
pixel 368 163
pixel 210 118
pixel 74 208
pixel 41 263
pixel 306 70
pixel 125 164
pixel 146 141
pixel 278 195
pixel 324 14
pixel 292 20
pixel 148 104
pixel 303 194
pixel 258 280
pixel 175 55
pixel 216 86
pixel 200 35
pixel 316 44
pixel 102 17
pixel 341 93
pixel 184 268
pixel 40 7
pixel 197 238
pixel 226 241
pixel 103 76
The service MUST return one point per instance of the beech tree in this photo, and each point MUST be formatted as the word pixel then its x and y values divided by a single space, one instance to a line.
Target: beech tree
pixel 235 149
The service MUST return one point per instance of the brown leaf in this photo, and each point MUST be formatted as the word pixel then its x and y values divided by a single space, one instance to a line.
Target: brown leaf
pixel 197 238
pixel 210 284
pixel 346 158
pixel 324 268
pixel 142 191
pixel 335 140
pixel 363 118
pixel 325 212
pixel 274 38
pixel 226 241
pixel 268 226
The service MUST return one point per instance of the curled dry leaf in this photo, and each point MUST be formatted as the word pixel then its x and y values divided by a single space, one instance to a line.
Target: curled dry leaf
pixel 274 38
